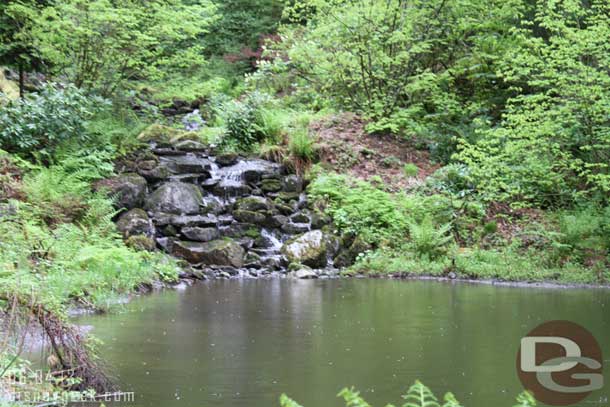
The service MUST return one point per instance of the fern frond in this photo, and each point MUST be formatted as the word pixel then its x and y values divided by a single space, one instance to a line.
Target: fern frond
pixel 420 396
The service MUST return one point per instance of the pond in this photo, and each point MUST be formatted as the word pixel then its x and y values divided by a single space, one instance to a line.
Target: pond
pixel 244 342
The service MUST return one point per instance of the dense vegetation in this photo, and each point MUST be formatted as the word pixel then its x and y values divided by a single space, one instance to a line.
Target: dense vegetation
pixel 510 98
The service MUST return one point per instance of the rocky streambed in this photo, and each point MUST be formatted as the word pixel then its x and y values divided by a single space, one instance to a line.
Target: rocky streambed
pixel 226 215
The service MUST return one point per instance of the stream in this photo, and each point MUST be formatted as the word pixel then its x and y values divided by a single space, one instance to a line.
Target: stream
pixel 243 342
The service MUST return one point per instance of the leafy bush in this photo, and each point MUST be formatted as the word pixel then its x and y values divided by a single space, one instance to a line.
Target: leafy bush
pixel 46 119
pixel 359 209
pixel 427 240
pixel 101 44
pixel 553 145
pixel 247 121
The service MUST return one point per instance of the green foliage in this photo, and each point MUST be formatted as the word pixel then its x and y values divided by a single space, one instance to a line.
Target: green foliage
pixel 44 120
pixel 418 395
pixel 241 25
pixel 352 398
pixel 424 68
pixel 18 49
pixel 428 240
pixel 410 170
pixel 286 401
pixel 100 44
pixel 553 144
pixel 359 209
pixel 62 244
pixel 301 146
pixel 525 399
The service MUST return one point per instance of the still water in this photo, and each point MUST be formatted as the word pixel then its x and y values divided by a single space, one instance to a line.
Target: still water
pixel 243 343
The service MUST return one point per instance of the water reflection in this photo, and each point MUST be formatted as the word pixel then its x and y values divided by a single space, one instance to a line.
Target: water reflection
pixel 242 343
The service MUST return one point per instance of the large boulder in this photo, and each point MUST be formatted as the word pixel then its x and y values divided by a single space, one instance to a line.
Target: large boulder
pixel 309 249
pixel 135 222
pixel 223 252
pixel 175 198
pixel 128 190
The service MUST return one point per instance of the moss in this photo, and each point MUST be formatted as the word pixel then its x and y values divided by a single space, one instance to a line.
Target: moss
pixel 159 133
pixel 141 243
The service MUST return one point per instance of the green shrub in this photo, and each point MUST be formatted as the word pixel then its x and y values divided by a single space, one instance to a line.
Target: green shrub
pixel 301 146
pixel 410 170
pixel 359 209
pixel 427 240
pixel 46 119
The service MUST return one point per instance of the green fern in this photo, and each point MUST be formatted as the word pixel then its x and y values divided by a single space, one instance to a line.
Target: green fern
pixel 352 398
pixel 450 401
pixel 420 396
pixel 525 399
pixel 427 240
pixel 286 401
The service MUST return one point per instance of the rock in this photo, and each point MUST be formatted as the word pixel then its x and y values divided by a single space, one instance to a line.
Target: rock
pixel 169 230
pixel 253 203
pixel 295 228
pixel 319 220
pixel 224 252
pixel 128 190
pixel 164 219
pixel 189 178
pixel 348 255
pixel 292 183
pixel 175 198
pixel 284 208
pixel 309 249
pixel 250 217
pixel 211 204
pixel 160 134
pixel 227 159
pixel 304 273
pixel 189 164
pixel 166 243
pixel 252 260
pixel 271 185
pixel 288 196
pixel 275 221
pixel 153 173
pixel 135 222
pixel 237 230
pixel 300 218
pixel 231 190
pixel 245 242
pixel 190 146
pixel 200 234
pixel 141 243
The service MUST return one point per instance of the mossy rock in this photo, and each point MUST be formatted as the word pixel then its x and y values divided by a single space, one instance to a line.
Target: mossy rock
pixel 309 249
pixel 159 133
pixel 141 243
pixel 253 203
pixel 250 217
pixel 271 185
